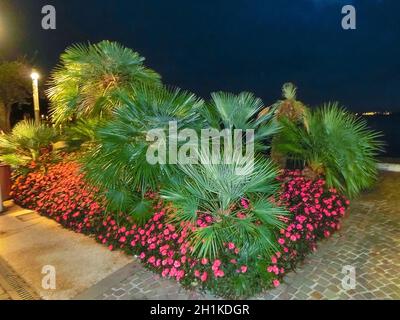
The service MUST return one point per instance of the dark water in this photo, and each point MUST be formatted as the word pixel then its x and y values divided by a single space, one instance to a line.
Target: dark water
pixel 390 127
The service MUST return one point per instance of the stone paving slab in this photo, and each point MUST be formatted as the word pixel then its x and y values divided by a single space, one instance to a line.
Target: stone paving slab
pixel 29 242
pixel 134 282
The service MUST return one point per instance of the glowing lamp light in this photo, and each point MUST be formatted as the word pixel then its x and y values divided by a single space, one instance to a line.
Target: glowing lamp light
pixel 35 75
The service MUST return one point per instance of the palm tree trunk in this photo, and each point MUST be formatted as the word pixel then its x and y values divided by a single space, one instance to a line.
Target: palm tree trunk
pixel 5 115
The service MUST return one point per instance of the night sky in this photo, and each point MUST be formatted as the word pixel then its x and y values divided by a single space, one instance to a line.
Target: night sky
pixel 249 45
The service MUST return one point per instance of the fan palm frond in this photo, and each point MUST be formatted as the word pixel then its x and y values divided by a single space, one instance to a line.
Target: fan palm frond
pixel 85 83
pixel 217 190
pixel 119 164
pixel 229 111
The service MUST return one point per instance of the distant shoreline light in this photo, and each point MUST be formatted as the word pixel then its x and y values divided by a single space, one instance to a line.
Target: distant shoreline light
pixel 374 113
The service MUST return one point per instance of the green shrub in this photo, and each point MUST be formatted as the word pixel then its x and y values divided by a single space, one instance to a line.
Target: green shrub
pixel 336 144
pixel 217 191
pixel 26 143
pixel 81 135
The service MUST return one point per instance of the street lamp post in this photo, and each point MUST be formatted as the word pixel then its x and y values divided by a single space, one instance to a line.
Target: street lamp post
pixel 1 201
pixel 35 85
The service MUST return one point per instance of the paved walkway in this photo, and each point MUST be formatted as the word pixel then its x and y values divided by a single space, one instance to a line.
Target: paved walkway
pixel 369 242
pixel 31 245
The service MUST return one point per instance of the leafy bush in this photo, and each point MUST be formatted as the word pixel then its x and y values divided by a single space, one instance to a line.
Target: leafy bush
pixel 26 143
pixel 81 135
pixel 336 144
pixel 85 83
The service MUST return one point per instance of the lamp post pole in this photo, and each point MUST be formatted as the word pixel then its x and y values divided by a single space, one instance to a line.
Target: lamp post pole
pixel 35 86
pixel 1 201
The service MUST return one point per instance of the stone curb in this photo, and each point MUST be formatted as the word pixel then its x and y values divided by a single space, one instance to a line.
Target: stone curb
pixel 393 167
pixel 97 290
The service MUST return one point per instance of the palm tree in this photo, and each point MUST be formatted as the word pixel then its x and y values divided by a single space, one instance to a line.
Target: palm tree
pixel 291 109
pixel 216 191
pixel 118 163
pixel 84 85
pixel 336 144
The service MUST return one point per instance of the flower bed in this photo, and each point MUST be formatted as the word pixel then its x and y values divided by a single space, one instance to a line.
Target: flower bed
pixel 62 194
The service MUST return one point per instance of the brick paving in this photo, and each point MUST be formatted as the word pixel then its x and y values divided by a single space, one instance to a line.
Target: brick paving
pixel 369 242
pixel 146 285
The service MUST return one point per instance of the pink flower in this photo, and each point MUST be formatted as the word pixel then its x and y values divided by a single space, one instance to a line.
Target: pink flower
pixel 204 261
pixel 243 269
pixel 152 259
pixel 241 215
pixel 180 274
pixel 142 256
pixel 172 272
pixel 165 272
pixel 274 260
pixel 219 273
pixel 217 263
pixel 281 241
pixel 231 245
pixel 204 276
pixel 276 283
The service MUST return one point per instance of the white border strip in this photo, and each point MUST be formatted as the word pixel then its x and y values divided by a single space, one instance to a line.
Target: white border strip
pixel 394 167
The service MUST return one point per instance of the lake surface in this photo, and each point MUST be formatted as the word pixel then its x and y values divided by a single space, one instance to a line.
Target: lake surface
pixel 390 127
